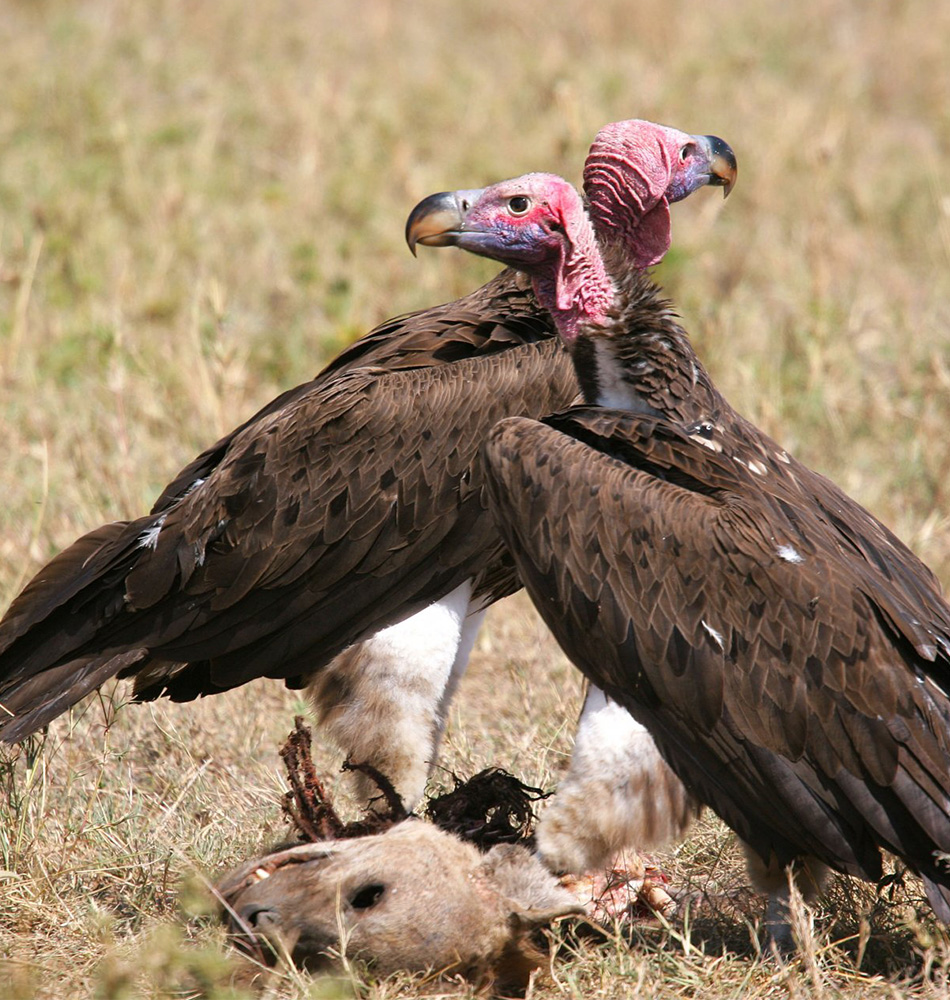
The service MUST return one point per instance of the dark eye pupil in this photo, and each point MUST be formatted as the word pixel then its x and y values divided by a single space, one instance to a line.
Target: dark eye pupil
pixel 367 896
pixel 686 151
pixel 518 204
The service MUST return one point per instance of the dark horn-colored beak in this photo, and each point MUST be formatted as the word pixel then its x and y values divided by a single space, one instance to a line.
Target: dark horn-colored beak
pixel 723 169
pixel 437 220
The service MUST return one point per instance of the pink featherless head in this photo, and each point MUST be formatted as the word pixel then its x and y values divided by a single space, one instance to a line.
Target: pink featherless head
pixel 535 223
pixel 635 169
pixel 626 176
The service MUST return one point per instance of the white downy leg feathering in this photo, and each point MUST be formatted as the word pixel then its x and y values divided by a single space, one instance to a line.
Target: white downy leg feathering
pixel 618 794
pixel 383 700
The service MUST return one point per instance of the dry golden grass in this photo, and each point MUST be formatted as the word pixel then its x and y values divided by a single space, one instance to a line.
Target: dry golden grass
pixel 201 202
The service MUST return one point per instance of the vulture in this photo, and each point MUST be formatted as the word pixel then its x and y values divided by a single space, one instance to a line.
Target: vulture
pixel 340 538
pixel 788 654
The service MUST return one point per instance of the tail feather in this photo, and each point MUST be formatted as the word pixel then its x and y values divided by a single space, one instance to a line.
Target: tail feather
pixel 939 897
pixel 31 704
pixel 67 601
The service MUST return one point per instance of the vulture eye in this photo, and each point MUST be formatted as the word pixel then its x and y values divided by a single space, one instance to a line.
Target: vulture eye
pixel 367 896
pixel 519 204
pixel 687 151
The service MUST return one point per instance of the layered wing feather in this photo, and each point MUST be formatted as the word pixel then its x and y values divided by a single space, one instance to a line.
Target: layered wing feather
pixel 787 652
pixel 348 503
pixel 501 314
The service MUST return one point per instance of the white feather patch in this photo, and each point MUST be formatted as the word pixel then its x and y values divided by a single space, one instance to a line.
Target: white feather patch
pixel 711 443
pixel 613 391
pixel 715 636
pixel 149 537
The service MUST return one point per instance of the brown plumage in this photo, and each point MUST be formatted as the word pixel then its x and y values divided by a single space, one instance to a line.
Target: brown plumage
pixel 346 505
pixel 787 652
pixel 352 510
pixel 324 517
pixel 789 655
pixel 494 318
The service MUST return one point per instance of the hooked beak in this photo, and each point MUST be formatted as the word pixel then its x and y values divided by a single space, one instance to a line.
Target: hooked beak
pixel 723 168
pixel 437 220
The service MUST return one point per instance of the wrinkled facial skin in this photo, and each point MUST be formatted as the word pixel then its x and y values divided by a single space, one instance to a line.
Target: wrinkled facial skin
pixel 412 898
pixel 700 160
pixel 635 169
pixel 638 164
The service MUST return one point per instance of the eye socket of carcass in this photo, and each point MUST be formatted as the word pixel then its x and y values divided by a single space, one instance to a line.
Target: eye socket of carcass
pixel 368 896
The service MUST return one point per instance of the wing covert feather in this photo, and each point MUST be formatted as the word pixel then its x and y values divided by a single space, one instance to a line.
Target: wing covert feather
pixel 357 503
pixel 772 658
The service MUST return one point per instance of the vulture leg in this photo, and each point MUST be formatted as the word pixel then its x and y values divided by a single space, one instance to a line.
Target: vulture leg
pixel 470 626
pixel 618 795
pixel 381 700
pixel 808 876
pixel 778 923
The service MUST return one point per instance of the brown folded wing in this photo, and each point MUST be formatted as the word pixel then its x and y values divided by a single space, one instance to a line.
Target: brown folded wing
pixel 789 654
pixel 346 504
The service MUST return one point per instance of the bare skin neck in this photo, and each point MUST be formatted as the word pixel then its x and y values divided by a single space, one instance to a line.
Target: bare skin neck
pixel 576 288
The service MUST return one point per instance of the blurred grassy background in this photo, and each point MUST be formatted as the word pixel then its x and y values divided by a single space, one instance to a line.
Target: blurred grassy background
pixel 200 203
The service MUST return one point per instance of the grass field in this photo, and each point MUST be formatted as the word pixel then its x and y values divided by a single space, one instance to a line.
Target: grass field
pixel 200 203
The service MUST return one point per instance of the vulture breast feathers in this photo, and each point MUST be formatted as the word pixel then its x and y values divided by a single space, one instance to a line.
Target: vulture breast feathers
pixel 787 652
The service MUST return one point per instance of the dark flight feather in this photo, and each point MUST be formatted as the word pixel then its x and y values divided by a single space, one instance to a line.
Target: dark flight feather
pixel 787 652
pixel 343 505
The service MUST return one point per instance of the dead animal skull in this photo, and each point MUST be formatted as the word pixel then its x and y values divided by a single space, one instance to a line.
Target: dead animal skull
pixel 412 898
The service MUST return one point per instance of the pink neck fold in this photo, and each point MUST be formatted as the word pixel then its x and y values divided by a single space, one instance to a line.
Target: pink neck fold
pixel 626 177
pixel 578 290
